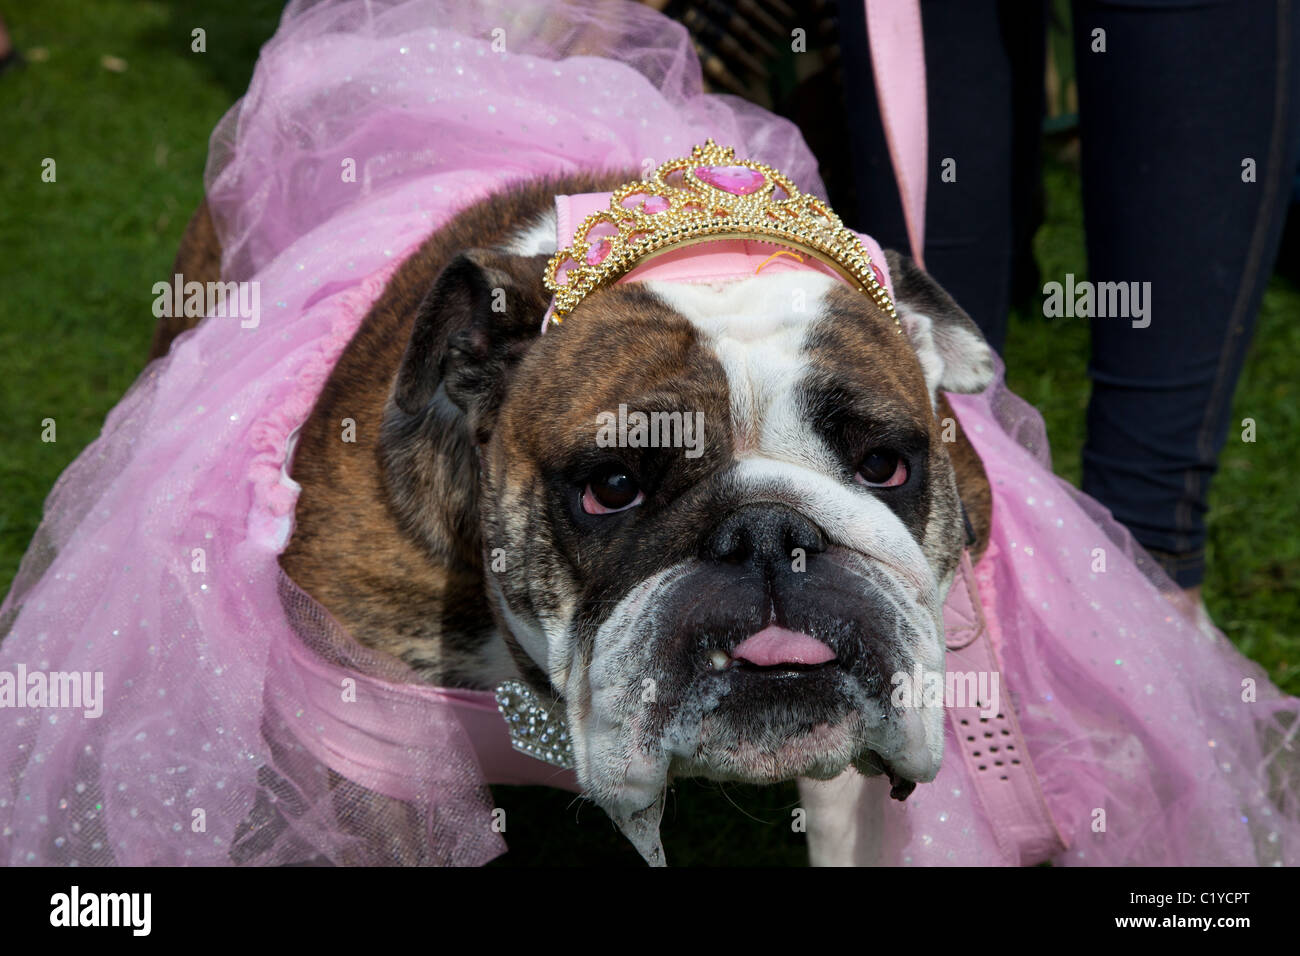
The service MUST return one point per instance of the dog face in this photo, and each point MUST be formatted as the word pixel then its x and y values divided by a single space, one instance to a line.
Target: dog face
pixel 724 513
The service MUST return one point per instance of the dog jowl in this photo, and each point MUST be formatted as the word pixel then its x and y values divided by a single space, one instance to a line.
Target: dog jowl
pixel 734 613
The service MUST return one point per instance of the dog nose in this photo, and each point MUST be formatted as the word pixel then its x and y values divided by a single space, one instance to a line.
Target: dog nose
pixel 763 535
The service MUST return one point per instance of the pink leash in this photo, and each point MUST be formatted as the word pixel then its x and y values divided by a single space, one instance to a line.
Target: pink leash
pixel 898 66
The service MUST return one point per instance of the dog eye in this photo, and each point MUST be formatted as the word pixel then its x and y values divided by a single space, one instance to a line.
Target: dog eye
pixel 881 468
pixel 609 490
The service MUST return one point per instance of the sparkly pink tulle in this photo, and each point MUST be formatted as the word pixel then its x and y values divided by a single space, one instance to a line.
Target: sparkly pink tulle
pixel 156 562
pixel 479 93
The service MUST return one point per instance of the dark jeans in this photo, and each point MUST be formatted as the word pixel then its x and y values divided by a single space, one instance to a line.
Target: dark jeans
pixel 1183 94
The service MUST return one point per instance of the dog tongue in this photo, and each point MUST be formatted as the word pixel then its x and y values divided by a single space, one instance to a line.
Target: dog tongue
pixel 776 645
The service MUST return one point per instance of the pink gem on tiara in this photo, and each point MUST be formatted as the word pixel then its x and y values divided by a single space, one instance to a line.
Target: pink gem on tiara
pixel 737 180
pixel 650 204
pixel 880 276
pixel 600 239
pixel 562 271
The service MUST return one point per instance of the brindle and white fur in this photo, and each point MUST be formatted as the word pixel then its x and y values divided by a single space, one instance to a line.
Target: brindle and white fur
pixel 475 434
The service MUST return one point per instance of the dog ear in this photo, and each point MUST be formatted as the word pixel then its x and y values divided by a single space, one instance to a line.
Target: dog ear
pixel 953 353
pixel 483 313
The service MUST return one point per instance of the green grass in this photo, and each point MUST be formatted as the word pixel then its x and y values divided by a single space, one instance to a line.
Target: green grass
pixel 78 258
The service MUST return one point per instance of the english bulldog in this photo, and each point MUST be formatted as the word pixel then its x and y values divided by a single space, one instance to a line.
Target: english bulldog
pixel 731 610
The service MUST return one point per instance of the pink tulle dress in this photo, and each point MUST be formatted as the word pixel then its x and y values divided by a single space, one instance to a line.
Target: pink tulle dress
pixel 218 737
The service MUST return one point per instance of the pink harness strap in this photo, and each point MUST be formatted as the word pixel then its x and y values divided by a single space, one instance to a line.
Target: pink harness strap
pixel 993 748
pixel 393 738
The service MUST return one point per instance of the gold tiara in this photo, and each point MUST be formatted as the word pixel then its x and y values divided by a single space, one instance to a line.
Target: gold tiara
pixel 704 197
